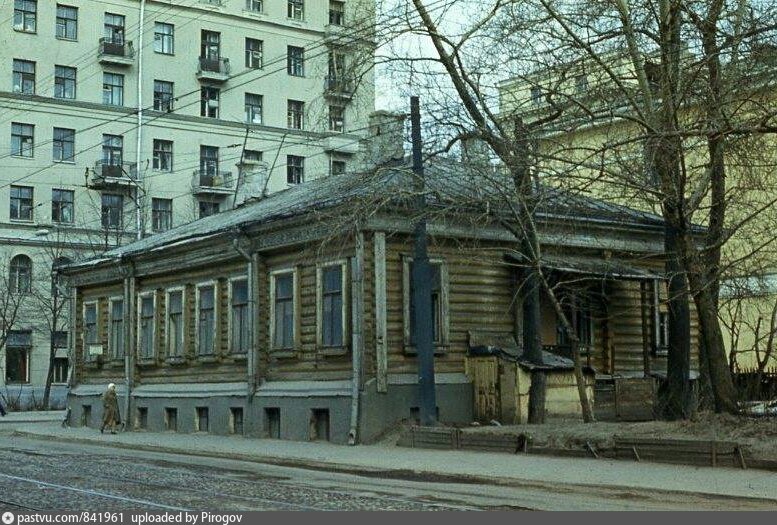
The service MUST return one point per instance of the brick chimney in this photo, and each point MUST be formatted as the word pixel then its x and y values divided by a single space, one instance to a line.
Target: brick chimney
pixel 386 140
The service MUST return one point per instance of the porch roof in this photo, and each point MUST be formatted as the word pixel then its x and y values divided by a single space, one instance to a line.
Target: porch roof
pixel 588 265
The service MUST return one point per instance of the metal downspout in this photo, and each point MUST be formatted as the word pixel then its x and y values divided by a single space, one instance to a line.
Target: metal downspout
pixel 357 336
pixel 138 207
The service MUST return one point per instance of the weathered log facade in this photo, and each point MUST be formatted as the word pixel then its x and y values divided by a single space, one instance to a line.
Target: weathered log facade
pixel 289 318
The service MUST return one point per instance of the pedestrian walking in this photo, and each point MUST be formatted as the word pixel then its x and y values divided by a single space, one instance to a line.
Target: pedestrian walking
pixel 111 416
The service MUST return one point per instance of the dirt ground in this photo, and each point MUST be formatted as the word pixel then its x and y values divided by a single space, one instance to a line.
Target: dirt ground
pixel 758 434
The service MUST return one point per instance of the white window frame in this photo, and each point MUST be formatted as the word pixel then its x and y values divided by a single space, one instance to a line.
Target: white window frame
pixel 444 299
pixel 230 316
pixel 344 290
pixel 168 349
pixel 295 307
pixel 198 287
pixel 84 341
pixel 111 349
pixel 139 321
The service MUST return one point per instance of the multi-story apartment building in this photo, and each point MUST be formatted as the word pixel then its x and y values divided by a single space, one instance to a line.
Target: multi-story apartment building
pixel 129 117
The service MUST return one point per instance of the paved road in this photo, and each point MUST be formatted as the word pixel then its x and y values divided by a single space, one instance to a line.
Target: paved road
pixel 45 475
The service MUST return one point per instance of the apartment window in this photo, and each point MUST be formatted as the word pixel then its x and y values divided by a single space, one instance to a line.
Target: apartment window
pixel 331 312
pixel 439 302
pixel 254 53
pixel 252 155
pixel 24 77
pixel 62 206
pixel 239 316
pixel 206 319
pixel 113 150
pixel 22 139
pixel 337 118
pixel 337 167
pixel 295 114
pixel 64 144
pixel 236 420
pixel 175 323
pixel 336 13
pixel 163 155
pixel 171 419
pixel 201 419
pixel 208 208
pixel 60 368
pixel 116 338
pixel 536 96
pixel 283 306
pixel 20 274
pixel 210 45
pixel 254 108
pixel 295 61
pixel 112 210
pixel 209 161
pixel 581 84
pixel 209 102
pixel 21 203
pixel 161 214
pixel 295 169
pixel 67 22
pixel 25 15
pixel 255 6
pixel 113 28
pixel 64 82
pixel 336 69
pixel 113 89
pixel 163 95
pixel 164 38
pixel 146 328
pixel 17 356
pixel 296 9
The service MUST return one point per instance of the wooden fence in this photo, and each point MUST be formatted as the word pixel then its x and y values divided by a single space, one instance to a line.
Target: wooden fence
pixel 753 385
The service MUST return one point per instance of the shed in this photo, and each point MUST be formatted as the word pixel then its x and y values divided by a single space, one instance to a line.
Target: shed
pixel 501 378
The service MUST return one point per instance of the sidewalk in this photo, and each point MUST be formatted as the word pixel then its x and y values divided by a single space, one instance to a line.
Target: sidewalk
pixel 463 466
pixel 31 416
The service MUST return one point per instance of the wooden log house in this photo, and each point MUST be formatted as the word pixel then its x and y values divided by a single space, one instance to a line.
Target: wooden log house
pixel 287 317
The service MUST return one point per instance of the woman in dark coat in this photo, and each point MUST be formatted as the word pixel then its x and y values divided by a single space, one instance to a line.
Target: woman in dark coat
pixel 110 410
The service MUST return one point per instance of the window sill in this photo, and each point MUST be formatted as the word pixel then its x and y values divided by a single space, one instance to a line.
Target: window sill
pixel 146 362
pixel 65 39
pixel 22 221
pixel 92 365
pixel 333 351
pixel 176 360
pixel 439 349
pixel 23 157
pixel 207 359
pixel 56 161
pixel 239 357
pixel 283 354
pixel 27 31
pixel 116 363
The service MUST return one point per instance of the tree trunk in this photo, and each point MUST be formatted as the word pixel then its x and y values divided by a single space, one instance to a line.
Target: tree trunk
pixel 677 396
pixel 532 344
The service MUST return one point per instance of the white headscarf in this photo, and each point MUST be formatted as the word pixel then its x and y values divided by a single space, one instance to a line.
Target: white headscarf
pixel 111 387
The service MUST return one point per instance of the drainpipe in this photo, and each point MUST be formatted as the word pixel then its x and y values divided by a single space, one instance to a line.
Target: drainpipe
pixel 357 336
pixel 129 337
pixel 252 351
pixel 138 207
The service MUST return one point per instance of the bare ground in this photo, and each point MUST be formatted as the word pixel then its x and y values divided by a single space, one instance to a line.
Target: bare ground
pixel 758 434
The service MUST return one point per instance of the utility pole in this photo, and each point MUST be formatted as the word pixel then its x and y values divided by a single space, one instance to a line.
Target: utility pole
pixel 422 333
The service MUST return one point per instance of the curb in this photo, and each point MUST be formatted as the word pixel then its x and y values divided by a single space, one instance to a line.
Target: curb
pixel 374 472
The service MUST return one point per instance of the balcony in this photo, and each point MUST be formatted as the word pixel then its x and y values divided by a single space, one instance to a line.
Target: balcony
pixel 213 69
pixel 212 182
pixel 106 176
pixel 116 53
pixel 338 87
pixel 213 3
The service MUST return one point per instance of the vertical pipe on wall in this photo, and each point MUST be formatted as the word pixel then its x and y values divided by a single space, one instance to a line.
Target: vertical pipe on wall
pixel 139 143
pixel 381 357
pixel 357 334
pixel 129 339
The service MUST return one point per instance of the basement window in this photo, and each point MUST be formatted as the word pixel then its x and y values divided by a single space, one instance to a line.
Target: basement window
pixel 141 418
pixel 236 420
pixel 201 419
pixel 272 422
pixel 319 424
pixel 171 419
pixel 86 415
